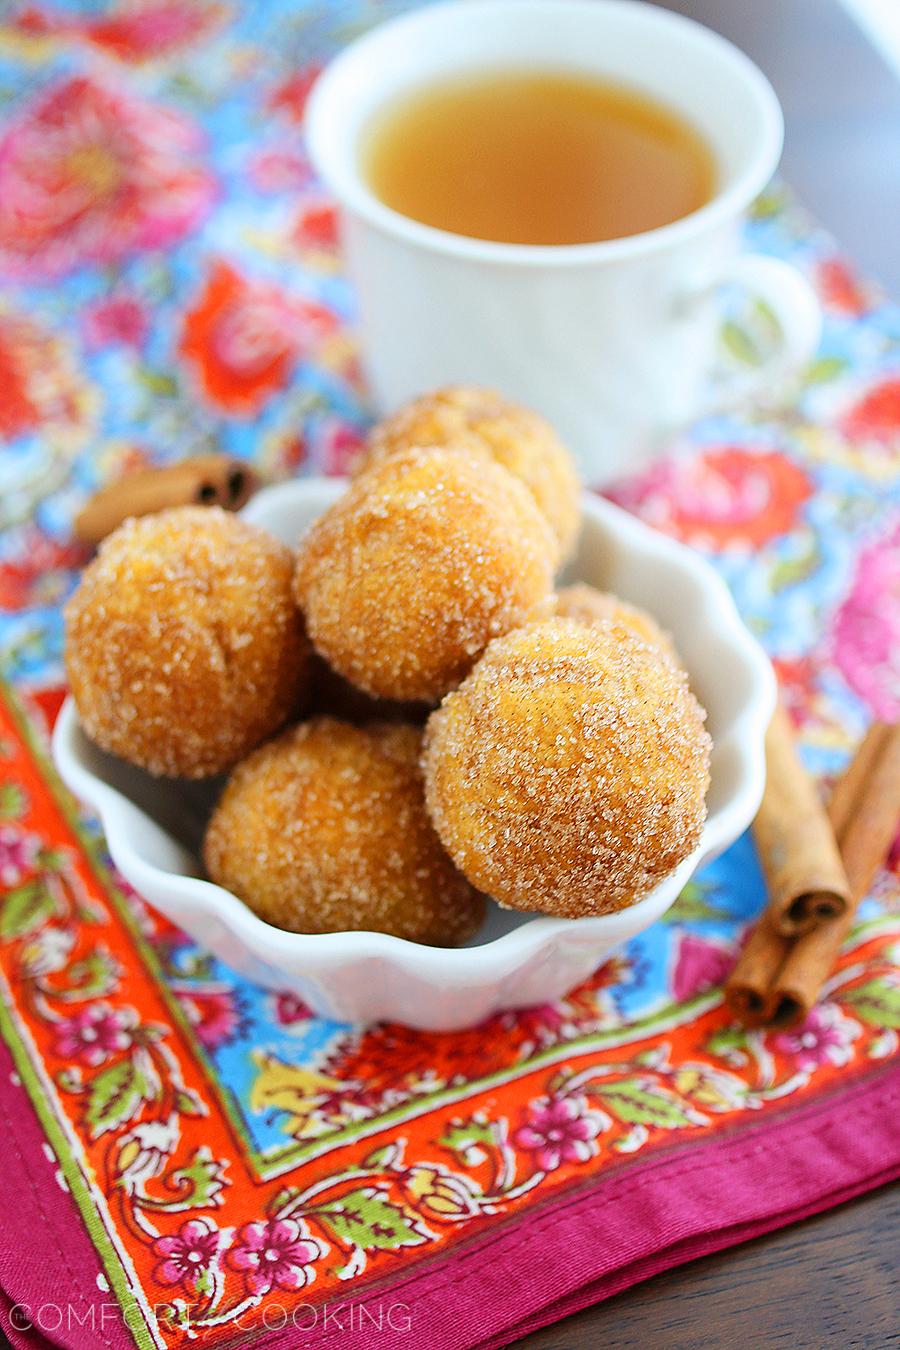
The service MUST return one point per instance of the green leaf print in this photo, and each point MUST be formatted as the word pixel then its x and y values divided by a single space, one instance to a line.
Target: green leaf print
pixel 13 801
pixel 365 1218
pixel 382 1158
pixel 693 905
pixel 637 1104
pixel 823 369
pixel 53 859
pixel 94 975
pixel 877 1002
pixel 739 344
pixel 468 1139
pixel 189 1103
pixel 768 204
pixel 158 382
pixel 282 1199
pixel 116 1095
pixel 792 571
pixel 724 1042
pixel 24 909
pixel 200 1182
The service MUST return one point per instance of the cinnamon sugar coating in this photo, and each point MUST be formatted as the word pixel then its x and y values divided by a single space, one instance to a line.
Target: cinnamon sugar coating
pixel 184 648
pixel 426 558
pixel 324 829
pixel 568 773
pixel 585 604
pixel 467 417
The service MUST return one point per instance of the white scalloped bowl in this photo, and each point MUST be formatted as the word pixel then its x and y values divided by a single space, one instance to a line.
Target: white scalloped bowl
pixel 153 827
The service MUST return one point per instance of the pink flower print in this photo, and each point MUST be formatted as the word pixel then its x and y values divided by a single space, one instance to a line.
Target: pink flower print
pixel 560 1130
pixel 546 1023
pixel 798 682
pixel 700 965
pixel 95 1033
pixel 42 388
pixel 243 338
pixel 826 1036
pixel 317 227
pixel 340 448
pixel 875 417
pixel 132 30
pixel 279 171
pixel 866 630
pixel 289 1009
pixel 214 1015
pixel 18 854
pixel 728 496
pixel 187 1253
pixel 39 571
pixel 279 1252
pixel 839 288
pixel 893 858
pixel 89 173
pixel 152 28
pixel 120 319
pixel 290 96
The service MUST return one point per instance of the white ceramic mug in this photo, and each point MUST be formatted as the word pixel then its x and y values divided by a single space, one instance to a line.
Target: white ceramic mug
pixel 615 342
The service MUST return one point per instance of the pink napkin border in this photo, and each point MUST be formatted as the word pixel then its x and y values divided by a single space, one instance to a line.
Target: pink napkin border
pixel 573 1251
pixel 650 1217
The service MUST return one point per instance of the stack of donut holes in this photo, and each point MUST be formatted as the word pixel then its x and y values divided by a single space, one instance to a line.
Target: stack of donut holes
pixel 411 716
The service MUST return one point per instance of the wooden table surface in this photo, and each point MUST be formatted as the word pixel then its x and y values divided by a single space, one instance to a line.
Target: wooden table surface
pixel 831 1281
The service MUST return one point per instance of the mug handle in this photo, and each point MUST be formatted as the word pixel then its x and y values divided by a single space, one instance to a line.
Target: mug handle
pixel 795 307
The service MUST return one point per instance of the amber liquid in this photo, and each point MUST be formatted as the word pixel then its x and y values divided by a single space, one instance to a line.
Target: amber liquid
pixel 536 157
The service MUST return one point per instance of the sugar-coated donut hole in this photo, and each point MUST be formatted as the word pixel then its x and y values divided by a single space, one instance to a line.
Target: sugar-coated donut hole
pixel 324 829
pixel 428 556
pixel 585 604
pixel 568 773
pixel 184 648
pixel 475 419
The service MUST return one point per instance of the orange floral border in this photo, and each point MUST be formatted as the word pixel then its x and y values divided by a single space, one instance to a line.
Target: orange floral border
pixel 191 1236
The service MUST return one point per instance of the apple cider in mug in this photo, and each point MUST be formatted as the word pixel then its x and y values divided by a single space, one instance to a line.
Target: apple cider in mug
pixel 546 197
pixel 536 157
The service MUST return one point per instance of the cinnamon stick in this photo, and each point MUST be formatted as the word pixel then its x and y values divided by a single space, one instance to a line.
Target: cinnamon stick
pixel 846 790
pixel 204 480
pixel 776 980
pixel 868 832
pixel 872 824
pixel 750 990
pixel 797 850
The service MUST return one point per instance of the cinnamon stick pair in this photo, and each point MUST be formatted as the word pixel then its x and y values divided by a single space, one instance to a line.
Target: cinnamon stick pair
pixel 797 849
pixel 204 480
pixel 819 865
